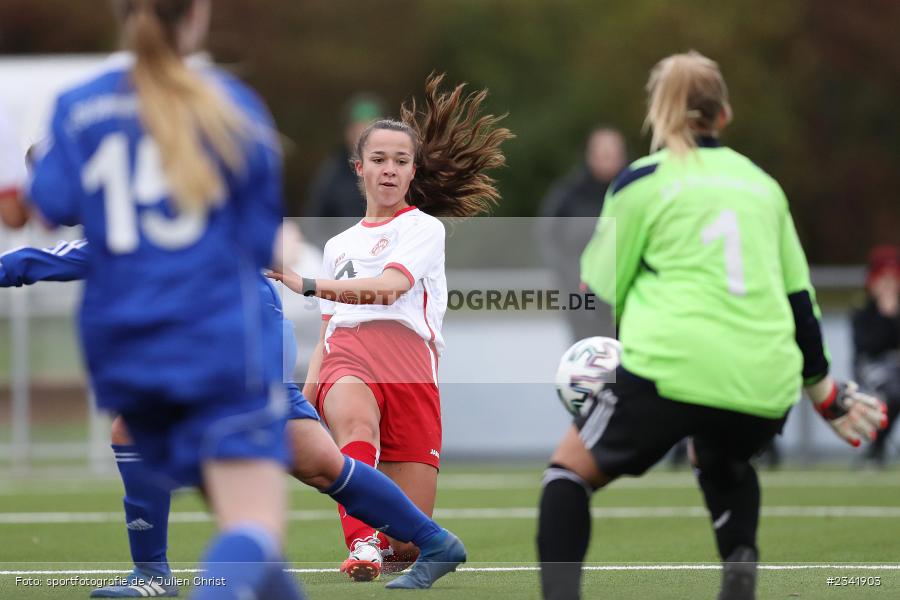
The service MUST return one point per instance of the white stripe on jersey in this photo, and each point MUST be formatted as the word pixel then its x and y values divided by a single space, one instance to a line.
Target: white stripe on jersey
pixel 433 362
pixel 62 247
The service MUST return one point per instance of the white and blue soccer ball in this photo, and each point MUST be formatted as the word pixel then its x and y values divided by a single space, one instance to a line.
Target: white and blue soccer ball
pixel 584 369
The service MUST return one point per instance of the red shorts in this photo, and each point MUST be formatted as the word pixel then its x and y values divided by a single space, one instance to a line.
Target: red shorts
pixel 400 368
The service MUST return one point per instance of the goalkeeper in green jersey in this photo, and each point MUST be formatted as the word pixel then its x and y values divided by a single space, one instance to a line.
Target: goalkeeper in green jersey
pixel 697 253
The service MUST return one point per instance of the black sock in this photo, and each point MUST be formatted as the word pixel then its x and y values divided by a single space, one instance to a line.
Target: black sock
pixel 564 530
pixel 731 491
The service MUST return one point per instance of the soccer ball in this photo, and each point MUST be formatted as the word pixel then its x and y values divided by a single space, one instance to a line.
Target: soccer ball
pixel 584 369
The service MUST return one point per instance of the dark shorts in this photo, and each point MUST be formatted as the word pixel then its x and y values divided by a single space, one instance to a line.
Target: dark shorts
pixel 298 406
pixel 175 440
pixel 630 427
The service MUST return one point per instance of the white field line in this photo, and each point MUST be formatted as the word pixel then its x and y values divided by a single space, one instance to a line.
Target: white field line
pixel 519 481
pixel 624 512
pixel 633 567
pixel 679 480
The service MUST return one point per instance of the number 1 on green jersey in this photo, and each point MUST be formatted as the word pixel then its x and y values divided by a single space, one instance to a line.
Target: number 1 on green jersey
pixel 726 226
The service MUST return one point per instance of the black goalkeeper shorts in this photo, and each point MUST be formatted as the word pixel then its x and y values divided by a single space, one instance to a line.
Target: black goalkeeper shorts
pixel 630 427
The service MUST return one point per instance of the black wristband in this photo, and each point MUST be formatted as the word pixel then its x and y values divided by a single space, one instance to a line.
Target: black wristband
pixel 309 286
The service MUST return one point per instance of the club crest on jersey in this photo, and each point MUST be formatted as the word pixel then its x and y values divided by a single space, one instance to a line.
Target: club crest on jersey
pixel 379 246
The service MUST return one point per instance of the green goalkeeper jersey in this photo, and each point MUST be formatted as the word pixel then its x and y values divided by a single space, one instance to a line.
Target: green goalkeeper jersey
pixel 697 254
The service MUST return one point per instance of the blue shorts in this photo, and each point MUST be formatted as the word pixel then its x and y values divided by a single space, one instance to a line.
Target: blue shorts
pixel 298 406
pixel 175 439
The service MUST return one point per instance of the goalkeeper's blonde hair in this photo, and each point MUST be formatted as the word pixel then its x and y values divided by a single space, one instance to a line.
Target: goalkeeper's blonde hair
pixel 184 114
pixel 686 94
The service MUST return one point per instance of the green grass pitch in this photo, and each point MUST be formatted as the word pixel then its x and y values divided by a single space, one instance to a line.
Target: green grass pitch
pixel 650 537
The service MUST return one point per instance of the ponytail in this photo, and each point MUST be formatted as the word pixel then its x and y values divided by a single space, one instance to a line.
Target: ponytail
pixel 184 114
pixel 686 95
pixel 454 146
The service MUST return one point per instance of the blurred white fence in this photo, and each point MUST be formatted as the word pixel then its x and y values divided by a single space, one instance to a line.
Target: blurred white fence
pixel 24 308
pixel 511 413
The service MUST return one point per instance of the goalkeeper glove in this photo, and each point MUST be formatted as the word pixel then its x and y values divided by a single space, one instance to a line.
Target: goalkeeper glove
pixel 852 414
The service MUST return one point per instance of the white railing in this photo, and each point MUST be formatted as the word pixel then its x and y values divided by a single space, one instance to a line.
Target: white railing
pixel 23 307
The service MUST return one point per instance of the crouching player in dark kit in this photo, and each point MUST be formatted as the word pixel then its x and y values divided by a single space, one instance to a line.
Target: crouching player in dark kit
pixel 719 329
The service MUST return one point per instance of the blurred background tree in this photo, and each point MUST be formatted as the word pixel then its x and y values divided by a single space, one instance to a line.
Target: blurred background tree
pixel 814 83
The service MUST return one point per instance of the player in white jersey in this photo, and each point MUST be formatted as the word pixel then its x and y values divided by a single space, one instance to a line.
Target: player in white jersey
pixel 411 242
pixel 384 293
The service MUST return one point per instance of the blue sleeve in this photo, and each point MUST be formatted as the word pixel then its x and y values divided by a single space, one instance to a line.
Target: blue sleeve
pixel 262 209
pixel 289 349
pixel 259 193
pixel 55 183
pixel 269 293
pixel 67 261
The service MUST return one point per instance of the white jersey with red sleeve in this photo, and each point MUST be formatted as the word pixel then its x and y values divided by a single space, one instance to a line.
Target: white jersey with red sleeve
pixel 12 160
pixel 411 242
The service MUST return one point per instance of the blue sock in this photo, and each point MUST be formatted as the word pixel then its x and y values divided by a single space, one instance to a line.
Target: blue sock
pixel 282 585
pixel 146 511
pixel 241 560
pixel 370 496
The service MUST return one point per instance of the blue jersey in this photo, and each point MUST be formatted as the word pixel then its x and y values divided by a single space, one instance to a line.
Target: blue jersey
pixel 68 261
pixel 170 301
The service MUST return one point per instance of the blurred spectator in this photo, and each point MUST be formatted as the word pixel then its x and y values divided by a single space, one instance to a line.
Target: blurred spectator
pixel 335 188
pixel 569 215
pixel 301 257
pixel 876 335
pixel 12 176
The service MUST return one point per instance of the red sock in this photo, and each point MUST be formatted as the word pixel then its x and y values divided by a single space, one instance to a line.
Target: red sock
pixel 354 529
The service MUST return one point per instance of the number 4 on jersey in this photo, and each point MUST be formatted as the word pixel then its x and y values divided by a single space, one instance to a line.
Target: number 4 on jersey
pixel 347 270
